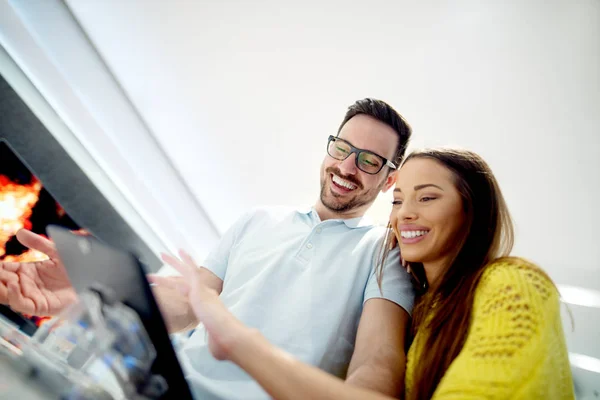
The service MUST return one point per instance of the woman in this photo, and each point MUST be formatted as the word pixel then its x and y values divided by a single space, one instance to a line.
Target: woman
pixel 484 325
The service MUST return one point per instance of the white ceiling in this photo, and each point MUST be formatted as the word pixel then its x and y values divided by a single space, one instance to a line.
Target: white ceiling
pixel 242 96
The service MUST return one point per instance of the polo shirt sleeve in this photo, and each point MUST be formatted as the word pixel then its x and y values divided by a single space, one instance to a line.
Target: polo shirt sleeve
pixel 218 259
pixel 396 285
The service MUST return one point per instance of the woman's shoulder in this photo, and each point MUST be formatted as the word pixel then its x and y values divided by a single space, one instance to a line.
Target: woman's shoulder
pixel 516 275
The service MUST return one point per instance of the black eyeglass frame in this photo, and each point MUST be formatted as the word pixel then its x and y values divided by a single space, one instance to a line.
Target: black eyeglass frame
pixel 357 151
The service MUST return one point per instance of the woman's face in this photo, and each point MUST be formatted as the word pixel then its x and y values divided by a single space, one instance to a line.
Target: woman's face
pixel 427 214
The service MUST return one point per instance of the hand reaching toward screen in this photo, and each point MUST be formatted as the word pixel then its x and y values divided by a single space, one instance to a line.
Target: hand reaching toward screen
pixel 224 330
pixel 37 288
pixel 171 293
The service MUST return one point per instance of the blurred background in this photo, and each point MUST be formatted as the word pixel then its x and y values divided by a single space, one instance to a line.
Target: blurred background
pixel 184 114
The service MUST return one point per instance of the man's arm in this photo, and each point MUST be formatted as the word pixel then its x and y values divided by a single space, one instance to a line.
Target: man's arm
pixel 379 360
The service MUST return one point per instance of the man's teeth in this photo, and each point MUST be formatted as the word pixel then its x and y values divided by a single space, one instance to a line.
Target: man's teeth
pixel 412 234
pixel 343 183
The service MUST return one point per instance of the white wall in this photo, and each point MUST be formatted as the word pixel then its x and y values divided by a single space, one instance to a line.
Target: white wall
pixel 242 95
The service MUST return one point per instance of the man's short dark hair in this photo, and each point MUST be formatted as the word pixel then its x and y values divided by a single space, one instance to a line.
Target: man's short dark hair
pixel 383 112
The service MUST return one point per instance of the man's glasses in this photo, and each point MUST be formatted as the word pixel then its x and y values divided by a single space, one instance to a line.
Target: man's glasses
pixel 366 160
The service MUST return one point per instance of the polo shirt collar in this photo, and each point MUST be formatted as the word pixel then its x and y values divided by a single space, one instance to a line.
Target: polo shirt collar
pixel 352 223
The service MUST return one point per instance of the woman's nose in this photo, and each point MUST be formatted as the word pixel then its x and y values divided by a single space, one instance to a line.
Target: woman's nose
pixel 406 212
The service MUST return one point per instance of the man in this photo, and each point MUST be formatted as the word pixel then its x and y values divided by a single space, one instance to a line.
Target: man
pixel 305 278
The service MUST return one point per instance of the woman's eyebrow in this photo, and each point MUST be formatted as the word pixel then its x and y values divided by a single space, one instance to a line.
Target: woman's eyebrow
pixel 419 187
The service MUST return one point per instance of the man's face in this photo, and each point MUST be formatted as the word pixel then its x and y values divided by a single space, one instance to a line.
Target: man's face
pixel 344 187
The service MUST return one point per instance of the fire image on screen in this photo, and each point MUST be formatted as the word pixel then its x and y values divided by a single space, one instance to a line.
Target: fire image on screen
pixel 25 203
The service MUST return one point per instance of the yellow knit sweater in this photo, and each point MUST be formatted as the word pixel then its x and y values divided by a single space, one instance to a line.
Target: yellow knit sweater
pixel 515 347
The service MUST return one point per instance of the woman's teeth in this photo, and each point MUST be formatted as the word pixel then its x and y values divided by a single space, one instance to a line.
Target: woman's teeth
pixel 412 234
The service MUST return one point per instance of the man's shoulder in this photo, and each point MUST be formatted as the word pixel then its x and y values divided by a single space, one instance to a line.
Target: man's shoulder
pixel 265 215
pixel 374 233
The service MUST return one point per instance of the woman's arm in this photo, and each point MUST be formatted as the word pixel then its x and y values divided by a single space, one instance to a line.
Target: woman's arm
pixel 378 362
pixel 284 377
pixel 281 375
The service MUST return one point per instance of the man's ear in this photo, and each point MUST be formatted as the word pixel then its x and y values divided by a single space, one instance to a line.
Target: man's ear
pixel 389 181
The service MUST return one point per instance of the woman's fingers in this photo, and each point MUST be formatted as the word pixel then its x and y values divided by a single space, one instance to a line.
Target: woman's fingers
pixel 167 281
pixel 176 263
pixel 177 283
pixel 187 258
pixel 186 267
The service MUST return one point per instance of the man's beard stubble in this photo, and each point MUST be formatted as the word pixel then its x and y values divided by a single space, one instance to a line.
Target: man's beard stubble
pixel 353 202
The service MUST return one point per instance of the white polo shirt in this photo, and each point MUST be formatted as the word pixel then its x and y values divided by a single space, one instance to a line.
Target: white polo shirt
pixel 302 282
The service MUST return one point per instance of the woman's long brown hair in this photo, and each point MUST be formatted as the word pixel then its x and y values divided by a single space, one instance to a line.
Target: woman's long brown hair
pixel 445 311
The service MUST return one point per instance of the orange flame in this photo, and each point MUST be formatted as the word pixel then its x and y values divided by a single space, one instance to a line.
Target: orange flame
pixel 16 205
